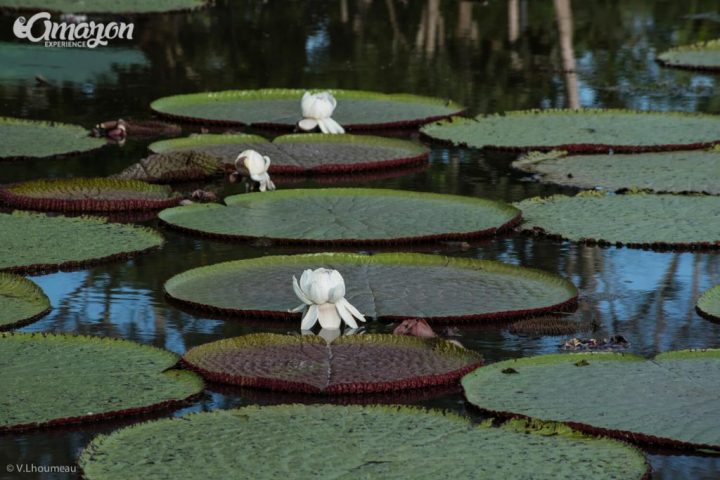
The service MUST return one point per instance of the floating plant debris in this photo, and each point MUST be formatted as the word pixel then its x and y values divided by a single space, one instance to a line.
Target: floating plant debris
pixel 635 220
pixel 708 305
pixel 103 6
pixel 614 343
pixel 88 195
pixel 698 56
pixel 345 216
pixel 349 365
pixel 693 171
pixel 52 380
pixel 21 301
pixel 389 286
pixel 34 242
pixel 305 154
pixel 174 166
pixel 22 139
pixel 581 131
pixel 669 400
pixel 280 108
pixel 353 442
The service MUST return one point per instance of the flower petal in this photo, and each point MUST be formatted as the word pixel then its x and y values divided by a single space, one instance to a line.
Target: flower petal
pixel 346 316
pixel 323 125
pixel 307 124
pixel 310 318
pixel 354 311
pixel 333 126
pixel 300 294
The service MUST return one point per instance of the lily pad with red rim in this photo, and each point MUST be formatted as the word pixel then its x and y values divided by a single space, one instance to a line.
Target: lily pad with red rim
pixel 388 286
pixel 349 365
pixel 88 195
pixel 53 380
pixel 698 56
pixel 669 400
pixel 345 216
pixel 171 167
pixel 708 305
pixel 21 301
pixel 25 139
pixel 580 131
pixel 34 242
pixel 280 108
pixel 636 220
pixel 306 153
pixel 353 442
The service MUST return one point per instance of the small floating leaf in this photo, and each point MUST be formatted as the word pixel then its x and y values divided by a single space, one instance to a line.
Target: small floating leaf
pixel 20 139
pixel 708 305
pixel 698 56
pixel 21 301
pixel 52 380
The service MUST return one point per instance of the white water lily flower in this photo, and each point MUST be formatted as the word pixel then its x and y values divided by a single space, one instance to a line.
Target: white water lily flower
pixel 317 108
pixel 257 166
pixel 322 292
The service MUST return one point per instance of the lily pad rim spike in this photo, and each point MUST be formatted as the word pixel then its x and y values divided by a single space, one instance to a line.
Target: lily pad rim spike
pixel 192 357
pixel 411 259
pixel 296 93
pixel 665 58
pixel 31 288
pixel 197 382
pixel 708 304
pixel 99 142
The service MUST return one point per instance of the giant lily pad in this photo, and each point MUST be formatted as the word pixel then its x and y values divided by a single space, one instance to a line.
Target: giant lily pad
pixel 670 172
pixel 88 195
pixel 31 242
pixel 103 6
pixel 345 215
pixel 59 379
pixel 21 139
pixel 390 286
pixel 350 364
pixel 280 108
pixel 698 56
pixel 21 301
pixel 670 400
pixel 174 166
pixel 708 305
pixel 634 220
pixel 306 153
pixel 299 441
pixel 581 131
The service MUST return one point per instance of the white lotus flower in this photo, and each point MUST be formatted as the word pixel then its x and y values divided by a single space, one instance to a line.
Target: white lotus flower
pixel 257 166
pixel 317 108
pixel 322 292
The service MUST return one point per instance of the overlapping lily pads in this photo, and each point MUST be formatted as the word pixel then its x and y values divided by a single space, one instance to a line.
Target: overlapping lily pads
pixel 636 220
pixel 670 400
pixel 53 380
pixel 667 172
pixel 88 195
pixel 388 286
pixel 306 153
pixel 345 216
pixel 349 365
pixel 33 242
pixel 21 139
pixel 21 301
pixel 175 166
pixel 299 441
pixel 280 108
pixel 708 305
pixel 581 131
pixel 698 56
pixel 103 6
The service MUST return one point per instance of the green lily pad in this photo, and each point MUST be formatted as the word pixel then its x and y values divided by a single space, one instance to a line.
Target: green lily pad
pixel 670 400
pixel 348 365
pixel 636 220
pixel 88 195
pixel 708 305
pixel 666 172
pixel 345 215
pixel 21 301
pixel 103 6
pixel 280 108
pixel 51 380
pixel 306 153
pixel 390 286
pixel 345 442
pixel 175 166
pixel 32 242
pixel 21 139
pixel 698 56
pixel 590 131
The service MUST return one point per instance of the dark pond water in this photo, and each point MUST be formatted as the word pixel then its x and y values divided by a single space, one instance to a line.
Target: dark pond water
pixel 491 56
